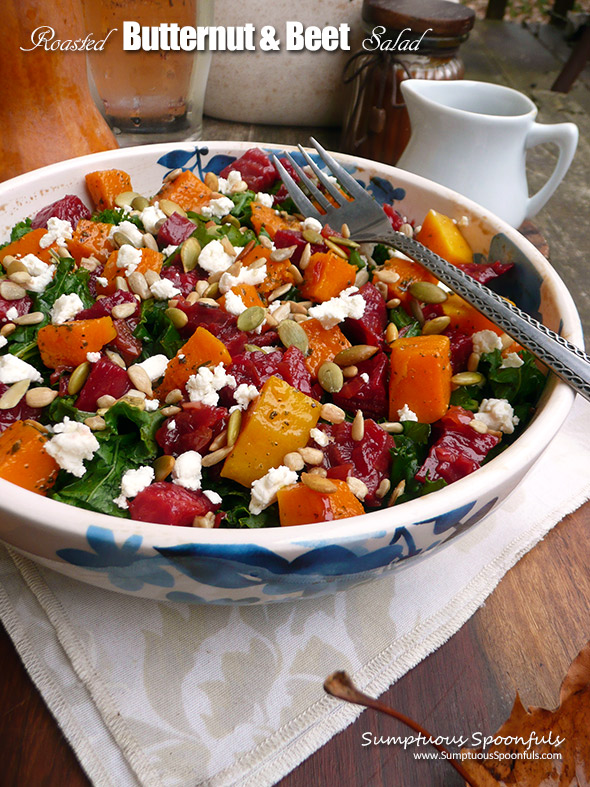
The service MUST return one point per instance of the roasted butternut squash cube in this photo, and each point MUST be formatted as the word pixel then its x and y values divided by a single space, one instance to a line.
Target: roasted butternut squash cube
pixel 270 220
pixel 105 185
pixel 23 459
pixel 408 272
pixel 202 348
pixel 187 191
pixel 465 317
pixel 28 244
pixel 68 344
pixel 324 343
pixel 326 276
pixel 442 236
pixel 279 422
pixel 420 377
pixel 300 505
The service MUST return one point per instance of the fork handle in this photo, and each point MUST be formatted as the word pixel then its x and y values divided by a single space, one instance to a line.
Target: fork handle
pixel 569 362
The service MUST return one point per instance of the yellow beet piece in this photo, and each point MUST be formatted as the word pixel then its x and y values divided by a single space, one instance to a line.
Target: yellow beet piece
pixel 278 423
pixel 443 237
pixel 420 377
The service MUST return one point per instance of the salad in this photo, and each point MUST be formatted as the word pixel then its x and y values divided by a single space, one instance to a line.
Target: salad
pixel 209 357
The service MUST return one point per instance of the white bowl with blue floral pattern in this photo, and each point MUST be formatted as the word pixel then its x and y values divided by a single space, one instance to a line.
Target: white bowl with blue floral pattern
pixel 223 566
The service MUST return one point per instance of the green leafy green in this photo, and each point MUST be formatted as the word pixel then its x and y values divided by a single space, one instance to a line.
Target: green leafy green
pixel 356 259
pixel 521 386
pixel 156 332
pixel 236 499
pixel 380 254
pixel 468 397
pixel 206 234
pixel 116 216
pixel 61 407
pixel 123 419
pixel 411 449
pixel 242 206
pixel 404 322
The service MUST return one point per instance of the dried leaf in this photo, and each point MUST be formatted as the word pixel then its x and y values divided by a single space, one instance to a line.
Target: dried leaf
pixel 537 732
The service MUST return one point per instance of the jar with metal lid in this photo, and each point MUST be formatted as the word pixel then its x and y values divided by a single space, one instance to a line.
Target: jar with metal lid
pixel 405 39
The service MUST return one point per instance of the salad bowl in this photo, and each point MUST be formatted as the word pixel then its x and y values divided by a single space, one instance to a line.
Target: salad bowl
pixel 254 566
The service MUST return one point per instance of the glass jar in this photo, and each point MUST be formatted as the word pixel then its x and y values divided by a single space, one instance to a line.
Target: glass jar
pixel 406 39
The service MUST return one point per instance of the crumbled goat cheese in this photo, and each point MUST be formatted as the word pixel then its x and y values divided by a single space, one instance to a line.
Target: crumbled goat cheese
pixel 34 266
pixel 214 258
pixel 265 199
pixel 58 231
pixel 129 229
pixel 3 341
pixel 365 377
pixel 213 496
pixel 486 342
pixel 233 184
pixel 204 385
pixel 170 425
pixel 169 250
pixel 234 304
pixel 498 415
pixel 245 276
pixel 321 438
pixel 12 313
pixel 102 280
pixel 154 366
pixel 151 405
pixel 264 490
pixel 512 361
pixel 348 304
pixel 13 370
pixel 65 308
pixel 405 414
pixel 150 217
pixel 244 394
pixel 219 207
pixel 128 258
pixel 71 444
pixel 41 273
pixel 311 224
pixel 162 289
pixel 187 470
pixel 93 357
pixel 133 482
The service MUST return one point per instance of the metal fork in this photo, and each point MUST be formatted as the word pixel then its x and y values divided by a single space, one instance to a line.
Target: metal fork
pixel 369 224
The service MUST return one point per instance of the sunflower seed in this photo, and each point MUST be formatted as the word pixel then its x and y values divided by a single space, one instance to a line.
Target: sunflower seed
pixel 251 318
pixel 318 484
pixel 170 410
pixel 125 198
pixel 387 275
pixel 207 521
pixel 335 249
pixel 227 246
pixel 216 456
pixel 295 273
pixel 210 301
pixel 219 442
pixel 173 175
pixel 201 287
pixel 332 413
pixel 11 291
pixel 292 335
pixel 11 397
pixel 150 242
pixel 177 317
pixel 399 490
pixel 330 377
pixel 89 263
pixel 407 229
pixel 96 423
pixel 40 397
pixel 211 181
pixel 32 318
pixel 174 396
pixel 246 250
pixel 78 378
pixel 189 254
pixel 436 325
pixel 506 341
pixel 20 277
pixel 279 292
pixel 138 285
pixel 121 283
pixel 116 358
pixel 123 310
pixel 281 313
pixel 391 333
pixel 305 257
pixel 163 466
pixel 479 426
pixel 233 427
pixel 416 310
pixel 473 362
pixel 358 488
pixel 383 488
pixel 426 292
pixel 380 285
pixel 7 329
pixel 357 431
pixel 13 263
pixel 361 278
pixel 345 230
pixel 139 378
pixel 468 378
pixel 321 471
pixel 393 303
pixel 279 255
pixel 392 427
pixel 298 308
pixel 311 456
pixel 266 242
pixel 355 354
pixel 151 277
pixel 350 371
pixel 168 207
pixel 105 401
pixel 294 461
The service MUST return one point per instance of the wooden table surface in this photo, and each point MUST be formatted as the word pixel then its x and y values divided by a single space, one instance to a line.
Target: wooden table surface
pixel 532 625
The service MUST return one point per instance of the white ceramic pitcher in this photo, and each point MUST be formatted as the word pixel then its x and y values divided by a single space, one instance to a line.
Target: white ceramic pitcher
pixel 473 138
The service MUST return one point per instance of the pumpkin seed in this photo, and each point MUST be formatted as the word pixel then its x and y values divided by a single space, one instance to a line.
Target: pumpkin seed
pixel 426 292
pixel 292 335
pixel 150 242
pixel 78 378
pixel 305 257
pixel 468 378
pixel 233 427
pixel 123 310
pixel 139 203
pixel 355 354
pixel 177 317
pixel 436 325
pixel 339 252
pixel 173 175
pixel 294 461
pixel 311 236
pixel 318 484
pixel 279 255
pixel 210 301
pixel 251 318
pixel 11 291
pixel 40 397
pixel 279 292
pixel 14 394
pixel 345 241
pixel 357 431
pixel 125 198
pixel 229 219
pixel 96 423
pixel 32 318
pixel 163 467
pixel 139 286
pixel 139 378
pixel 212 292
pixel 133 400
pixel 391 333
pixel 189 254
pixel 330 377
pixel 168 208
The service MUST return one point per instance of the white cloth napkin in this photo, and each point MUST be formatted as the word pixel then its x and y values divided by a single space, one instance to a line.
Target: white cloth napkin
pixel 173 695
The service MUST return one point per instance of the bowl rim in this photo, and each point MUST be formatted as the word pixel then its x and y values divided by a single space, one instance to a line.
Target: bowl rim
pixel 557 399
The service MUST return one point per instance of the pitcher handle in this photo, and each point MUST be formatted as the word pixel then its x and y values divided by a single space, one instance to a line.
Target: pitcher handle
pixel 565 136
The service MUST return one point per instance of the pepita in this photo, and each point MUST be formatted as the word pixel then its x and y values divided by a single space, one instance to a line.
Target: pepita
pixel 345 241
pixel 168 208
pixel 189 254
pixel 78 378
pixel 229 219
pixel 251 318
pixel 311 236
pixel 139 203
pixel 330 377
pixel 212 292
pixel 468 378
pixel 14 394
pixel 436 325
pixel 40 397
pixel 177 317
pixel 355 354
pixel 120 239
pixel 292 334
pixel 125 198
pixel 163 466
pixel 233 427
pixel 427 292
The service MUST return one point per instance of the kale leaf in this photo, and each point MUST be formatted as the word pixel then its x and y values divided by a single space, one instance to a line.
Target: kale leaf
pixel 236 499
pixel 116 216
pixel 156 331
pixel 411 449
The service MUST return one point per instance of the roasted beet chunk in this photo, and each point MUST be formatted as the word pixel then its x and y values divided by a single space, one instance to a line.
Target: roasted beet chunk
pixel 485 273
pixel 22 306
pixel 371 326
pixel 458 450
pixel 255 168
pixel 293 370
pixel 126 344
pixel 21 412
pixel 282 193
pixel 104 306
pixel 252 368
pixel 69 208
pixel 285 238
pixel 175 230
pixel 185 282
pixel 368 395
pixel 461 348
pixel 105 378
pixel 370 457
pixel 192 429
pixel 216 321
pixel 169 504
pixel 394 216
